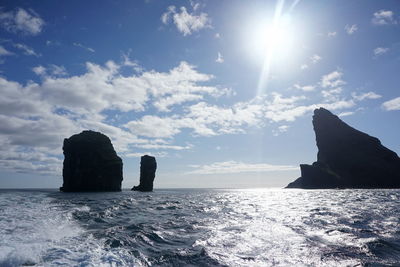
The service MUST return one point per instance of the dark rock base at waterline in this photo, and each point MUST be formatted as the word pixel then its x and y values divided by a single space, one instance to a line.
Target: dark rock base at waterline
pixel 347 158
pixel 90 164
pixel 148 166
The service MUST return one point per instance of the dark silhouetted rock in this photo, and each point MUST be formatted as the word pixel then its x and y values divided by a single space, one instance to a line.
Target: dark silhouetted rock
pixel 90 163
pixel 347 158
pixel 148 166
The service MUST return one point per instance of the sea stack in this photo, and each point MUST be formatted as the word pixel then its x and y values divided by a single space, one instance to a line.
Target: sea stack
pixel 90 163
pixel 347 158
pixel 148 166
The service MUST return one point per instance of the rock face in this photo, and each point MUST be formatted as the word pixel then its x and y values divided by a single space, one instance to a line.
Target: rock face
pixel 90 163
pixel 347 158
pixel 148 166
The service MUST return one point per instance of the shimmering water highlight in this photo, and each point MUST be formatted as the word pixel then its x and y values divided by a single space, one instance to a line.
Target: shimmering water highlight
pixel 253 227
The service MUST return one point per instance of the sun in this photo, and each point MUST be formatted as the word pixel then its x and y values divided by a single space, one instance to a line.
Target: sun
pixel 271 39
pixel 271 42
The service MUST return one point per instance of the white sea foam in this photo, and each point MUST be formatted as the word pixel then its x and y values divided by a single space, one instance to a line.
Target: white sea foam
pixel 29 226
pixel 200 228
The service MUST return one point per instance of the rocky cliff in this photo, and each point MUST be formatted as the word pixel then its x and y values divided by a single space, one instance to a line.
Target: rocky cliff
pixel 347 158
pixel 90 163
pixel 148 166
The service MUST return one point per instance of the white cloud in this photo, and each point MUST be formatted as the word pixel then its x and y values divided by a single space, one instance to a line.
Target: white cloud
pixel 202 118
pixel 332 94
pixel 351 29
pixel 5 52
pixel 283 128
pixel 304 66
pixel 229 167
pixel 186 23
pixel 57 70
pixel 219 59
pixel 217 36
pixel 52 43
pixel 315 58
pixel 84 47
pixel 52 70
pixel 162 146
pixel 347 113
pixel 27 50
pixel 165 17
pixel 332 34
pixel 332 79
pixel 162 154
pixel 290 108
pixel 39 116
pixel 380 51
pixel 153 126
pixel 39 70
pixel 393 104
pixel 22 21
pixel 363 96
pixel 306 88
pixel 383 17
pixel 36 117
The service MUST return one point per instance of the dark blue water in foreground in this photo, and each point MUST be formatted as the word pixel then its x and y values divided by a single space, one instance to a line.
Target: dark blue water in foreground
pixel 260 227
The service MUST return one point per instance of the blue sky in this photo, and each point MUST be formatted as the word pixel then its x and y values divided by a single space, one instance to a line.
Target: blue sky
pixel 221 92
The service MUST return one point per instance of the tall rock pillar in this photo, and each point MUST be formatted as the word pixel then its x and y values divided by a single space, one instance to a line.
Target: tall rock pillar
pixel 148 166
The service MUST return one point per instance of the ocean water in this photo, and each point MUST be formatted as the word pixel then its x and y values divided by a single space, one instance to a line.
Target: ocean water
pixel 249 227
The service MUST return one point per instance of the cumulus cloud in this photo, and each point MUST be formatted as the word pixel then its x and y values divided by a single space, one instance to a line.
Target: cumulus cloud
pixel 102 87
pixel 351 29
pixel 363 96
pixel 153 126
pixel 393 104
pixel 186 22
pixel 288 109
pixel 137 111
pixel 36 117
pixel 202 119
pixel 229 167
pixel 52 70
pixel 332 94
pixel 332 79
pixel 22 21
pixel 380 51
pixel 306 88
pixel 383 17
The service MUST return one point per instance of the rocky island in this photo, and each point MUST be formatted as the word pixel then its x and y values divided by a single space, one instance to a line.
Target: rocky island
pixel 90 164
pixel 347 158
pixel 148 166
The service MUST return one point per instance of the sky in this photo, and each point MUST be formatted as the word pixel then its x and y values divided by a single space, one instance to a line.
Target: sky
pixel 220 92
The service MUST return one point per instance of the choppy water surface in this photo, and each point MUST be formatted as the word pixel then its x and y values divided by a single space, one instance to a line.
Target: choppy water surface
pixel 260 227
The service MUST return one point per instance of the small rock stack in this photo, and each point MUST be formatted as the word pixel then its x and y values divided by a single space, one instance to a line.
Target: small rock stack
pixel 148 166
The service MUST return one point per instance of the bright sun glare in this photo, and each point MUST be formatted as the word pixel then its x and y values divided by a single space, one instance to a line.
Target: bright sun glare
pixel 272 37
pixel 272 42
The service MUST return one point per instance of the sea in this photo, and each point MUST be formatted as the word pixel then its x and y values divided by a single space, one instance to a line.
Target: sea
pixel 200 227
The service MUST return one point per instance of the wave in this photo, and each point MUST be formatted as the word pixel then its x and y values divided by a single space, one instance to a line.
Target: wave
pixel 200 228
